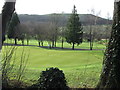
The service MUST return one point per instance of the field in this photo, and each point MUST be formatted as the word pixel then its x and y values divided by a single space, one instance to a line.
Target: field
pixel 81 67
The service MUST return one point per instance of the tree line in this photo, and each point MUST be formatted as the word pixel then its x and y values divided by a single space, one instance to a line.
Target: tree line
pixel 74 32
pixel 49 31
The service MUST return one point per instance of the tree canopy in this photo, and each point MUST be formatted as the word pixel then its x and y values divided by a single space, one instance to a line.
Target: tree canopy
pixel 74 29
pixel 12 27
pixel 7 12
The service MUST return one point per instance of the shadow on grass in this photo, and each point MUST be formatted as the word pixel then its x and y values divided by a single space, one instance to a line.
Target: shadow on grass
pixel 52 48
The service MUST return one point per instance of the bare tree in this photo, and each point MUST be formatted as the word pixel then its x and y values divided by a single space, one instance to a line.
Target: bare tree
pixel 51 31
pixel 62 31
pixel 55 18
pixel 29 31
pixel 108 28
pixel 9 68
pixel 40 32
pixel 23 32
pixel 91 33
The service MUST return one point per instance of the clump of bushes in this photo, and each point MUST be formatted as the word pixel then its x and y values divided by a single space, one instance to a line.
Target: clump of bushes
pixel 51 78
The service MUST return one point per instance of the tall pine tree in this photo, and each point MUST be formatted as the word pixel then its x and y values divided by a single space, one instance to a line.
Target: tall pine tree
pixel 12 28
pixel 74 29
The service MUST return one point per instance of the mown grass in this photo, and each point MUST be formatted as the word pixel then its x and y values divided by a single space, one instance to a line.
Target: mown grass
pixel 84 45
pixel 82 68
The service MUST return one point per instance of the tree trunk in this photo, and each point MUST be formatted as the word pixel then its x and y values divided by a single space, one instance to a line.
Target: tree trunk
pixel 15 41
pixel 110 76
pixel 6 16
pixel 91 45
pixel 22 42
pixel 52 43
pixel 62 43
pixel 7 12
pixel 39 43
pixel 27 41
pixel 42 43
pixel 55 43
pixel 73 46
pixel 91 41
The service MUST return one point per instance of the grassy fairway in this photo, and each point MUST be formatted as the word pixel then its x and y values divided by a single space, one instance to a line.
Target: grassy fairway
pixel 81 68
pixel 84 45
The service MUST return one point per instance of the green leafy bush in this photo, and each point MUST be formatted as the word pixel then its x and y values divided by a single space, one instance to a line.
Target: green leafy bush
pixel 51 78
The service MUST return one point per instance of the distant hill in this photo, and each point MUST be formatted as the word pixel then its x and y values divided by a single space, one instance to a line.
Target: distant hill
pixel 86 19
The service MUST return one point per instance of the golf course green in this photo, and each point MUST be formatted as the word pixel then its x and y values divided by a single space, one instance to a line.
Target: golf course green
pixel 82 68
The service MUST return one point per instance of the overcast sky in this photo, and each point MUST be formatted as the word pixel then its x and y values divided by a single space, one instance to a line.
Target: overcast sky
pixel 58 6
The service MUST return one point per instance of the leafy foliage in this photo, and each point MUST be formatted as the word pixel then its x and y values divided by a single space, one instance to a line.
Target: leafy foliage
pixel 7 12
pixel 12 28
pixel 74 29
pixel 51 78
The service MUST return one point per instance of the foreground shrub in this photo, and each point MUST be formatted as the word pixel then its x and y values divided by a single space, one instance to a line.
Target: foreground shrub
pixel 12 71
pixel 51 78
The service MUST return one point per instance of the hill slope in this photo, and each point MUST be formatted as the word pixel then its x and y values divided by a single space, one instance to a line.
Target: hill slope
pixel 86 19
